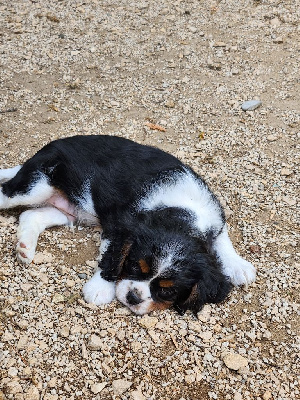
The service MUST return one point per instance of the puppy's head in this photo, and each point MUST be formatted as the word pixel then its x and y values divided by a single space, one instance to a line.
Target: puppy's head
pixel 163 270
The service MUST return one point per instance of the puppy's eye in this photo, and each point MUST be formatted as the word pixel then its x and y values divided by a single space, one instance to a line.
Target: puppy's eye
pixel 166 289
pixel 166 283
pixel 144 266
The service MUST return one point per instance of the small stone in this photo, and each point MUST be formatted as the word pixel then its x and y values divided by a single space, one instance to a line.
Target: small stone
pixel 190 378
pixel 275 22
pixel 42 258
pixel 49 396
pixel 7 337
pixel 32 393
pixel 70 283
pixel 58 298
pixel 251 105
pixel 26 287
pixel 289 200
pixel 115 103
pixel 214 65
pixel 286 172
pixel 267 395
pixel 170 104
pixel 82 276
pixel 52 17
pixel 120 386
pixel 52 383
pixel 26 373
pixel 235 71
pixel 43 278
pixel 148 322
pixel 98 387
pixel 65 331
pixel 267 334
pixel 95 342
pixel 22 342
pixel 192 29
pixel 136 346
pixel 278 40
pixel 237 396
pixel 84 351
pixel 137 395
pixel 204 314
pixel 12 372
pixel 13 387
pixel 219 44
pixel 206 336
pixel 93 263
pixel 187 51
pixel 234 361
pixel 195 326
pixel 272 138
pixel 217 328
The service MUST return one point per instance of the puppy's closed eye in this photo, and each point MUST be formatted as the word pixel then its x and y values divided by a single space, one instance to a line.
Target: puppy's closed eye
pixel 166 283
pixel 166 289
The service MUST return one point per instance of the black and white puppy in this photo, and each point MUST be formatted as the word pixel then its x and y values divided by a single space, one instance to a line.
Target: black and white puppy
pixel 164 241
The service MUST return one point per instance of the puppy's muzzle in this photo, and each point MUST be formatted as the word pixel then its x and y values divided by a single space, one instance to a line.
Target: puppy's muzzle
pixel 133 298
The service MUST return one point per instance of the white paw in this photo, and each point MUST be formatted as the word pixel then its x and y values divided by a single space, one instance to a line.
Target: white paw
pixel 99 291
pixel 240 271
pixel 26 245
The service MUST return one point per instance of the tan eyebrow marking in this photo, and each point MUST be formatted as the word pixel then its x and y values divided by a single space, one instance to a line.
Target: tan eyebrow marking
pixel 144 266
pixel 159 306
pixel 165 283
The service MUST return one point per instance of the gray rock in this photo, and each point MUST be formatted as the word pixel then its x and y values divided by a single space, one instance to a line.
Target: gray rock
pixel 251 105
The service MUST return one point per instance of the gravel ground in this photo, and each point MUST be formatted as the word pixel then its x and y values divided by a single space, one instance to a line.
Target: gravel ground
pixel 116 67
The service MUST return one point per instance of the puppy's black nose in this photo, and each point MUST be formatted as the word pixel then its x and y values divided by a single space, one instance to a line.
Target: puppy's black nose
pixel 133 299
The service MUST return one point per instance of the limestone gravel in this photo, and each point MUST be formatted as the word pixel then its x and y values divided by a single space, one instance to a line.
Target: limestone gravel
pixel 119 68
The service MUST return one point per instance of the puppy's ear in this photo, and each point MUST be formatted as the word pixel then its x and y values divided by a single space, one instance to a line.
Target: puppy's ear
pixel 212 287
pixel 113 259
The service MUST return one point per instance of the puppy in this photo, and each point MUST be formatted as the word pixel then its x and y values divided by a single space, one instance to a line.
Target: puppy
pixel 164 240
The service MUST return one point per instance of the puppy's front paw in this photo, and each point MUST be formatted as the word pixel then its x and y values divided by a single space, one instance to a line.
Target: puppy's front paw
pixel 240 271
pixel 25 252
pixel 26 244
pixel 99 291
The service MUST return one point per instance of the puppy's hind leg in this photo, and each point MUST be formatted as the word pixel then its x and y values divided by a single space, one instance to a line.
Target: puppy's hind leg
pixel 8 173
pixel 26 188
pixel 32 224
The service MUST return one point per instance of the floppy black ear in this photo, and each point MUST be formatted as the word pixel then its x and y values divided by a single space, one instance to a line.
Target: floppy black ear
pixel 212 287
pixel 114 258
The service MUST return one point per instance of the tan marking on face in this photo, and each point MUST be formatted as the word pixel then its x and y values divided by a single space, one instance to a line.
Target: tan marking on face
pixel 166 283
pixel 144 266
pixel 159 306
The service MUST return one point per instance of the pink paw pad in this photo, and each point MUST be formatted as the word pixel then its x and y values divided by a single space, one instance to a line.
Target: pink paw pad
pixel 22 245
